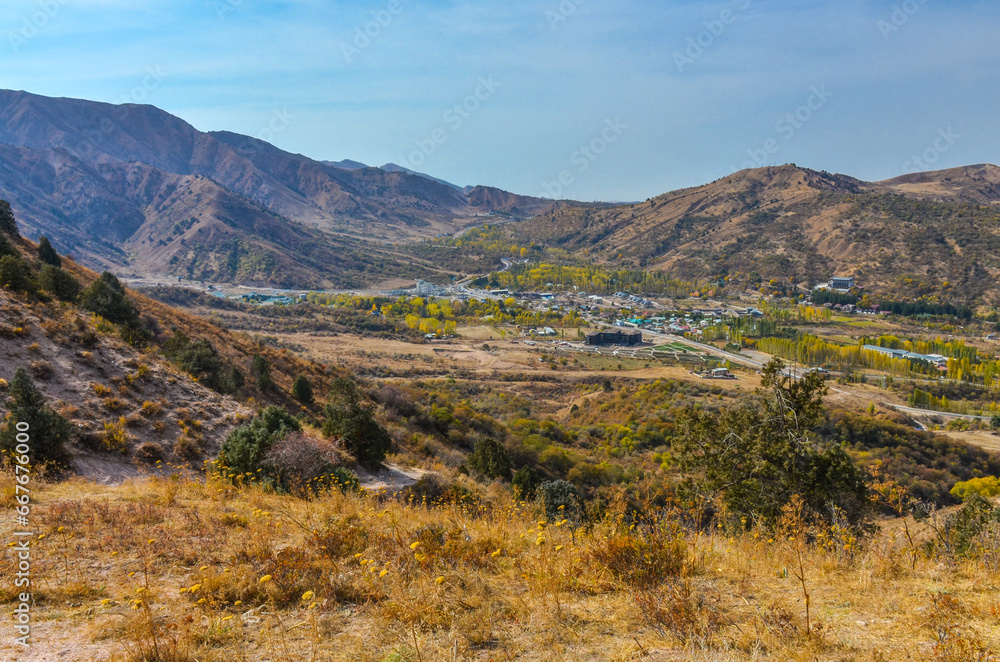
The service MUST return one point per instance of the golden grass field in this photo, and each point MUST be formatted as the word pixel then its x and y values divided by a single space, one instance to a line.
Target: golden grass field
pixel 178 569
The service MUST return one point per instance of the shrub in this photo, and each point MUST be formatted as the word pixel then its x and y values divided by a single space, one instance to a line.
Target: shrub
pixel 47 254
pixel 302 390
pixel 301 462
pixel 490 459
pixel 964 526
pixel 41 369
pixel 149 451
pixel 151 409
pixel 987 486
pixel 107 297
pixel 115 437
pixel 59 283
pixel 8 224
pixel 560 498
pixel 48 430
pixel 355 425
pixel 199 359
pixel 524 483
pixel 245 448
pixel 344 479
pixel 15 274
pixel 755 456
pixel 6 248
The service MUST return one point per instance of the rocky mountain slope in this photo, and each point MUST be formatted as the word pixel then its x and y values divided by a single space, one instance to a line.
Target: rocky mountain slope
pixel 932 233
pixel 128 405
pixel 136 188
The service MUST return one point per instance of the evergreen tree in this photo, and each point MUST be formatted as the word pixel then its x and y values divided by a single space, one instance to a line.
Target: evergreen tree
pixel 490 459
pixel 755 456
pixel 8 224
pixel 107 297
pixel 6 248
pixel 260 369
pixel 47 254
pixel 302 390
pixel 16 275
pixel 59 283
pixel 355 425
pixel 47 431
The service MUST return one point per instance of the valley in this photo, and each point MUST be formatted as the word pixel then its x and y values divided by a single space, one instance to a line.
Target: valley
pixel 291 410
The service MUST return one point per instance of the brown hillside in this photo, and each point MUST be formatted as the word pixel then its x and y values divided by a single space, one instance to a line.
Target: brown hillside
pixel 93 377
pixel 790 222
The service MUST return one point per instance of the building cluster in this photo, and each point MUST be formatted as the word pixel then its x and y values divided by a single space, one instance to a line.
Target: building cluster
pixel 425 289
pixel 937 360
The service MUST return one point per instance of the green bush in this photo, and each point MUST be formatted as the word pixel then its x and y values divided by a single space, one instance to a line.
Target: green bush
pixel 199 359
pixel 107 297
pixel 560 499
pixel 756 455
pixel 16 275
pixel 245 448
pixel 47 430
pixel 490 459
pixel 963 527
pixel 355 425
pixel 59 283
pixel 345 480
pixel 524 483
pixel 302 390
pixel 6 248
pixel 8 224
pixel 47 254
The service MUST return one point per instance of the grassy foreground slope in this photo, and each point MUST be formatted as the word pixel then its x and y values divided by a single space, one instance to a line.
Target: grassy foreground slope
pixel 171 569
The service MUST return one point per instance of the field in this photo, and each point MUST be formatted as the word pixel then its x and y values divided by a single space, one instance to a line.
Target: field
pixel 172 569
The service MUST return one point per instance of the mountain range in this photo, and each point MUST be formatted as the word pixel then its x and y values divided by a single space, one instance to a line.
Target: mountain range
pixel 133 188
pixel 926 233
pixel 136 190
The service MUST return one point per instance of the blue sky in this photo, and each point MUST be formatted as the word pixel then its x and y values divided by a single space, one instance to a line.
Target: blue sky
pixel 590 99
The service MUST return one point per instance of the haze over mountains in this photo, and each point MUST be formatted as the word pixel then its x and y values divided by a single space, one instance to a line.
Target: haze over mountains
pixel 136 190
pixel 135 187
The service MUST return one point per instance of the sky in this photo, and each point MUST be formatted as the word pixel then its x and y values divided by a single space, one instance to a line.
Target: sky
pixel 615 100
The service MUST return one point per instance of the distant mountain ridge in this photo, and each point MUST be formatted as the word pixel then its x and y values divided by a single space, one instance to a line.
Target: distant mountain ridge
pixel 935 233
pixel 117 186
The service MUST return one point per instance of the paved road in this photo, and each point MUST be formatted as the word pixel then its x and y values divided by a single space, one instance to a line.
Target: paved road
pixel 929 412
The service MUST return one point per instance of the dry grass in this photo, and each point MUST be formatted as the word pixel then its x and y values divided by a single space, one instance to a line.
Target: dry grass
pixel 181 570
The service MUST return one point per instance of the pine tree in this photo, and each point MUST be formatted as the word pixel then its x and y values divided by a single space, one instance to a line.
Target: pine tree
pixel 47 431
pixel 106 296
pixel 47 254
pixel 260 368
pixel 302 390
pixel 8 224
pixel 16 275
